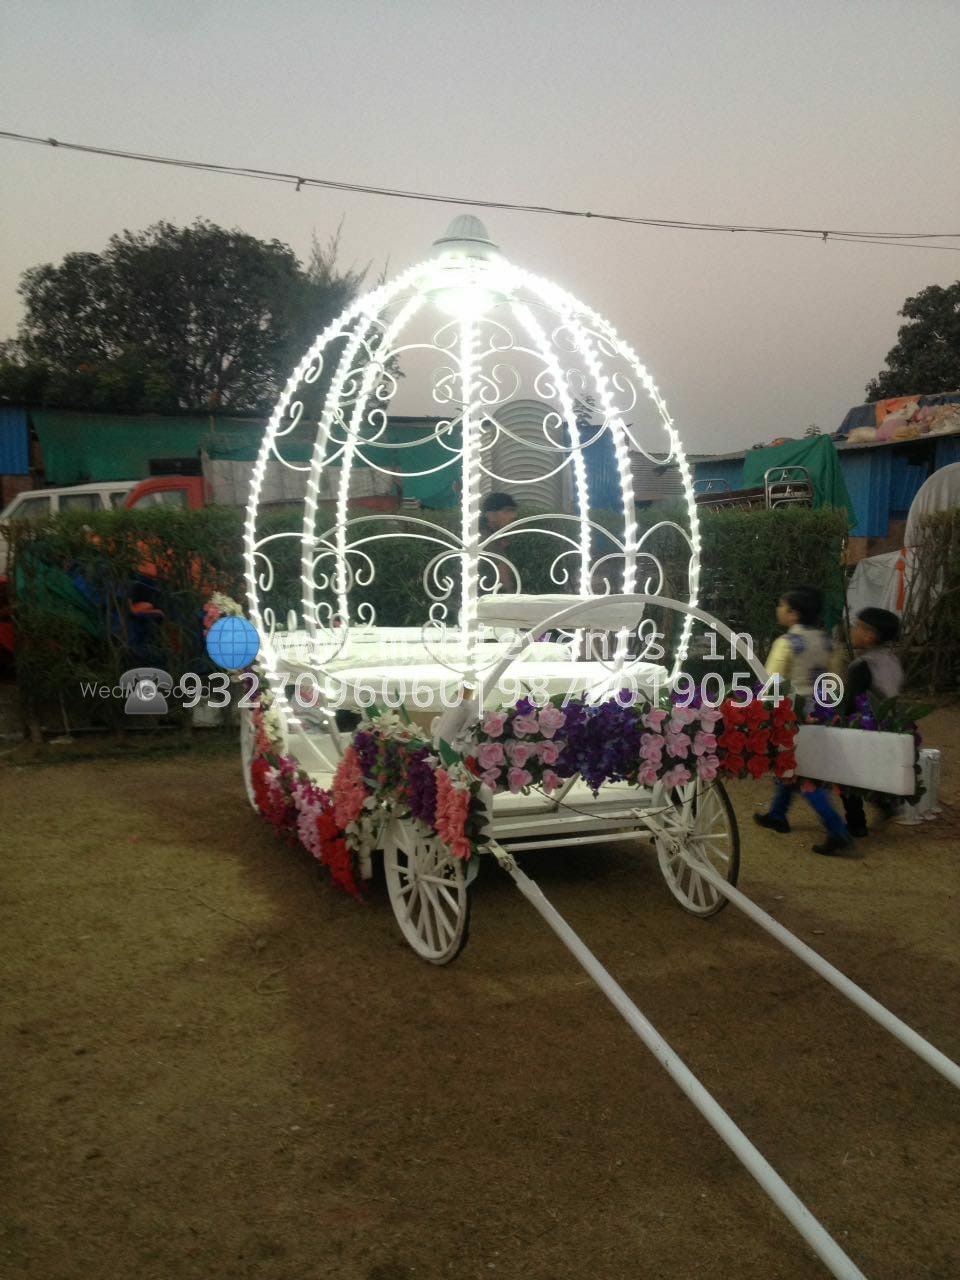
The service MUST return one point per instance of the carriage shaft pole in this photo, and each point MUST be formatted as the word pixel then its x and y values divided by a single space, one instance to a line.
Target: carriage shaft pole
pixel 822 1243
pixel 906 1035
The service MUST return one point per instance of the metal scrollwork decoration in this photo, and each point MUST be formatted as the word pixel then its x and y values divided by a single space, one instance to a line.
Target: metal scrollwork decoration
pixel 536 393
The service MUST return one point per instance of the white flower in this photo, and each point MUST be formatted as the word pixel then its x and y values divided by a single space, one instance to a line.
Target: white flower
pixel 273 725
pixel 226 604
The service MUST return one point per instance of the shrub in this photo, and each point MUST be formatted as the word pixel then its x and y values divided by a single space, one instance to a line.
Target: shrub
pixel 79 585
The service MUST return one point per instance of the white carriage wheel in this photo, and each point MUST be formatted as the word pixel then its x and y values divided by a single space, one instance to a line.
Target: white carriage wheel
pixel 700 823
pixel 248 751
pixel 428 891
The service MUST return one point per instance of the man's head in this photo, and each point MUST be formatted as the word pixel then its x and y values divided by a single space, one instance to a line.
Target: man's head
pixel 498 510
pixel 873 627
pixel 800 605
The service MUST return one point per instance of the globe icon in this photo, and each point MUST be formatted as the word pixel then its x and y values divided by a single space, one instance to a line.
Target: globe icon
pixel 233 643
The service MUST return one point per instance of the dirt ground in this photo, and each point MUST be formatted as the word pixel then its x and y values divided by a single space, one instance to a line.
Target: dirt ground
pixel 217 1066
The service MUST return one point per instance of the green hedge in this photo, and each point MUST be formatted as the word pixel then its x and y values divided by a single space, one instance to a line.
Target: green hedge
pixel 930 639
pixel 75 578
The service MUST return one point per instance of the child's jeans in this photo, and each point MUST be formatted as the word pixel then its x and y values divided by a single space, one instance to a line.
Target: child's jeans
pixel 819 801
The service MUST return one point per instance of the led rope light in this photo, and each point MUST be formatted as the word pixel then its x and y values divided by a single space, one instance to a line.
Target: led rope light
pixel 470 498
pixel 466 287
pixel 407 311
pixel 539 337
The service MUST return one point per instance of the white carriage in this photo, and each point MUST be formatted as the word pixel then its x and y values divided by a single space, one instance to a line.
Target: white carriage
pixel 484 335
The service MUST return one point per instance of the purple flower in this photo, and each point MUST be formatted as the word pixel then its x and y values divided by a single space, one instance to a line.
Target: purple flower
pixel 366 747
pixel 422 786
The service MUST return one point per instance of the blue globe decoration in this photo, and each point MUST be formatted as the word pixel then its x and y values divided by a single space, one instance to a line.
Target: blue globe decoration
pixel 233 643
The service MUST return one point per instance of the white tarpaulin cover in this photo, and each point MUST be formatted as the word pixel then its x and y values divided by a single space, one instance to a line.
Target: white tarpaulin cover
pixel 229 482
pixel 882 581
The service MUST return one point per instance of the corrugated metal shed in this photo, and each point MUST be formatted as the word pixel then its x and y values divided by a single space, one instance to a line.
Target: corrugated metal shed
pixel 14 442
pixel 519 460
pixel 729 469
pixel 652 482
pixel 882 479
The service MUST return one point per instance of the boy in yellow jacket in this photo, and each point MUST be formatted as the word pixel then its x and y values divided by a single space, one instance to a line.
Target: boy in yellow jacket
pixel 798 658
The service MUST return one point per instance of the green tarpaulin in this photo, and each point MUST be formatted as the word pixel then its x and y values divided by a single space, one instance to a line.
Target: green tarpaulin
pixel 79 448
pixel 434 489
pixel 818 455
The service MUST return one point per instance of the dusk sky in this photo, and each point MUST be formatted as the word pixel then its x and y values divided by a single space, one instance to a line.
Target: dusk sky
pixel 841 115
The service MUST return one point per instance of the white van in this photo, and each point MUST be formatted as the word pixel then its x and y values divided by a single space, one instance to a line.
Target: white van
pixel 35 504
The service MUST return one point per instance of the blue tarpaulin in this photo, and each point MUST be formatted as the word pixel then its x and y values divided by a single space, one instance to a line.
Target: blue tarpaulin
pixel 14 443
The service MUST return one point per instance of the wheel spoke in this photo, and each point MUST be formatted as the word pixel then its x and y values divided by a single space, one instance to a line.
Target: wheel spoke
pixel 441 923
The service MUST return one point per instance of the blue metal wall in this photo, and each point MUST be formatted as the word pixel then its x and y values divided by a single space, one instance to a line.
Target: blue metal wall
pixel 14 443
pixel 947 451
pixel 868 473
pixel 603 477
pixel 881 482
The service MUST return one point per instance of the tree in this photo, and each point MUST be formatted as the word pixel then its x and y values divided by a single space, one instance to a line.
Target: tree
pixel 172 318
pixel 926 358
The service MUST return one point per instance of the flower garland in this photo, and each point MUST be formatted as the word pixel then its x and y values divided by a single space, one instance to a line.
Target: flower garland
pixel 302 813
pixel 389 769
pixel 619 741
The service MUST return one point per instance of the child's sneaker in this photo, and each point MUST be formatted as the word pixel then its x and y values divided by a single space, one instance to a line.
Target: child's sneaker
pixel 767 820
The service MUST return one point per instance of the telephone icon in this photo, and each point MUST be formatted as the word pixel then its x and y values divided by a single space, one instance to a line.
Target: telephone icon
pixel 145 688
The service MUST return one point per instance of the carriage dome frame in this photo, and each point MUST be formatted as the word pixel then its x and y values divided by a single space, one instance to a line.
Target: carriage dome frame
pixel 481 333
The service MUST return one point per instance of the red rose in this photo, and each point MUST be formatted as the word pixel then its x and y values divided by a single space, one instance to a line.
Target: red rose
pixel 784 737
pixel 786 762
pixel 473 765
pixel 733 740
pixel 759 742
pixel 783 712
pixel 732 714
pixel 758 766
pixel 734 765
pixel 756 714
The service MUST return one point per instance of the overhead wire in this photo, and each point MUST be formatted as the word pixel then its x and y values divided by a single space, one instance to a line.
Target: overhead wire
pixel 893 239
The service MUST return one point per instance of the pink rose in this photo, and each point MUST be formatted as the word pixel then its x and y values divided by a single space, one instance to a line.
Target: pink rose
pixel 709 716
pixel 678 745
pixel 528 724
pixel 651 748
pixel 492 778
pixel 707 767
pixel 682 716
pixel 520 752
pixel 490 755
pixel 676 776
pixel 493 723
pixel 551 780
pixel 654 719
pixel 517 779
pixel 549 752
pixel 648 776
pixel 551 720
pixel 704 742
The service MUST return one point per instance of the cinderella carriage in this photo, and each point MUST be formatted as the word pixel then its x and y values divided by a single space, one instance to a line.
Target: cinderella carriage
pixel 529 389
